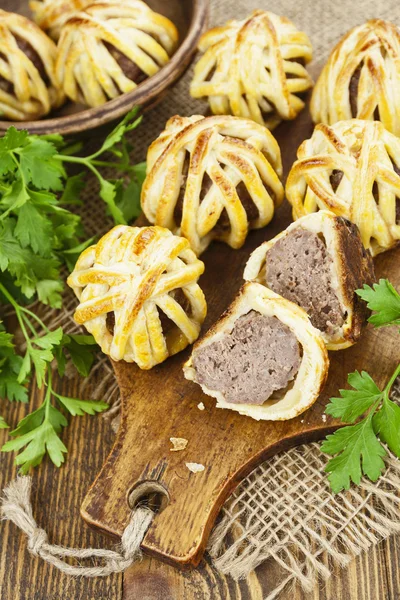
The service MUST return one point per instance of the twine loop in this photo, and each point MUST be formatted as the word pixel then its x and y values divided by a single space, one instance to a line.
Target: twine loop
pixel 17 507
pixel 36 540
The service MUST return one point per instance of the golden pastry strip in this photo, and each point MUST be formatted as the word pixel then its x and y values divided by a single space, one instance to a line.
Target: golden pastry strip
pixel 254 68
pixel 107 49
pixel 139 295
pixel 361 78
pixel 212 178
pixel 28 88
pixel 351 169
pixel 51 15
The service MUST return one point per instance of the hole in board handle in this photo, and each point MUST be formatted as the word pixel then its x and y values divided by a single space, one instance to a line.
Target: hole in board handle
pixel 150 494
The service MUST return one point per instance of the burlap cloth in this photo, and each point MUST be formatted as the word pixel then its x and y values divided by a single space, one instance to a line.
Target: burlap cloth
pixel 284 510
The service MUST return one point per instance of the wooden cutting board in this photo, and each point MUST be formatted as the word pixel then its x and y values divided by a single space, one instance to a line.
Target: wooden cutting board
pixel 160 404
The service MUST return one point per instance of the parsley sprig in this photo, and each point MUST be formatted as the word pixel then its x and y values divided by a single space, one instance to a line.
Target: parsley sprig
pixel 358 448
pixel 39 431
pixel 39 234
pixel 122 200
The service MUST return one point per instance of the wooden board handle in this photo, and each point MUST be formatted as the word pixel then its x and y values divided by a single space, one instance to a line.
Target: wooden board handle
pixel 160 404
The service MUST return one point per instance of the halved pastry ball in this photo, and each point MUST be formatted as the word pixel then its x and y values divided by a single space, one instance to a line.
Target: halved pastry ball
pixel 319 262
pixel 212 178
pixel 110 47
pixel 138 294
pixel 51 15
pixel 351 168
pixel 263 358
pixel 254 68
pixel 361 78
pixel 28 86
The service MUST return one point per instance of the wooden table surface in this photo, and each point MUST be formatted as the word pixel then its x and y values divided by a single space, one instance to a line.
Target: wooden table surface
pixel 57 495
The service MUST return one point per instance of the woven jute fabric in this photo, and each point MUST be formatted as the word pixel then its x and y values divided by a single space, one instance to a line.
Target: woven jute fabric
pixel 284 511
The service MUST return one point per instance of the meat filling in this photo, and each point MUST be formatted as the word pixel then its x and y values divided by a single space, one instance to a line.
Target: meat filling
pixel 223 223
pixel 30 52
pixel 397 170
pixel 166 322
pixel 298 267
pixel 129 68
pixel 259 357
pixel 353 93
pixel 337 176
pixel 335 179
pixel 181 299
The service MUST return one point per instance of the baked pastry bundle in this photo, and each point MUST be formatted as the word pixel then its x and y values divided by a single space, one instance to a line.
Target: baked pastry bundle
pixel 51 15
pixel 254 68
pixel 263 358
pixel 212 178
pixel 319 262
pixel 351 168
pixel 28 87
pixel 361 78
pixel 138 294
pixel 110 47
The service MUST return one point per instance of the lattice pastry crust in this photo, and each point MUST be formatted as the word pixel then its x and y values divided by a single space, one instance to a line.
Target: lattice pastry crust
pixel 254 68
pixel 28 87
pixel 51 15
pixel 361 78
pixel 107 49
pixel 313 370
pixel 367 193
pixel 138 294
pixel 212 178
pixel 351 267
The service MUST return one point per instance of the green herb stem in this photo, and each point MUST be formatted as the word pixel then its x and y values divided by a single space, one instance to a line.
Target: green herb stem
pixel 392 380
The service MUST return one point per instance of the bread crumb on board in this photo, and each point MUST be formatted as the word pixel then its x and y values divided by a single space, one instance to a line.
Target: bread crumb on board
pixel 178 444
pixel 195 467
pixel 201 406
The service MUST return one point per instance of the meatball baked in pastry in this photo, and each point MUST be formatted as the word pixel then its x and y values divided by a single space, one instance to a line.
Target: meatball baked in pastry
pixel 28 88
pixel 212 178
pixel 263 358
pixel 254 68
pixel 110 47
pixel 138 294
pixel 51 15
pixel 351 168
pixel 319 262
pixel 361 78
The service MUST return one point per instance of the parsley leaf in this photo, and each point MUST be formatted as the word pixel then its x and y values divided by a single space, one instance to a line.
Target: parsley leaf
pixel 34 230
pixel 359 453
pixel 3 424
pixel 353 403
pixel 358 448
pixel 39 165
pixel 10 366
pixel 387 424
pixel 384 299
pixel 37 441
pixel 81 349
pixel 80 407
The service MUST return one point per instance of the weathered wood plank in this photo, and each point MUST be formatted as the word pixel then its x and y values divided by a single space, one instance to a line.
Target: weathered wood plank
pixel 56 498
pixel 57 495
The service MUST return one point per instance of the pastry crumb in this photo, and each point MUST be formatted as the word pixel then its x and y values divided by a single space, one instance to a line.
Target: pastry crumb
pixel 178 444
pixel 201 406
pixel 195 467
pixel 324 418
